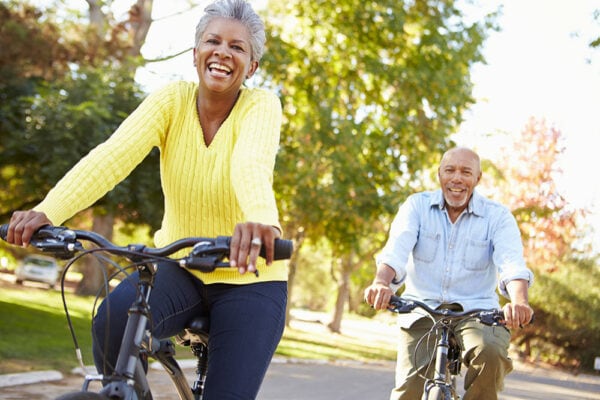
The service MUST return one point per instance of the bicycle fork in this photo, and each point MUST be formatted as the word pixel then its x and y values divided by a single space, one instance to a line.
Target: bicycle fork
pixel 440 377
pixel 129 375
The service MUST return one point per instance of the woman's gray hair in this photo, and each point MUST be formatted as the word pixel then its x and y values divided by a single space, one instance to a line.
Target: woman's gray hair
pixel 239 10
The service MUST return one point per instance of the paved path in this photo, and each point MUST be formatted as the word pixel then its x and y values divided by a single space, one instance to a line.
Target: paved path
pixel 345 381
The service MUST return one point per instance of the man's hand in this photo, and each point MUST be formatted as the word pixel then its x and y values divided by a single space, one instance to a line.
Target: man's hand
pixel 378 294
pixel 517 313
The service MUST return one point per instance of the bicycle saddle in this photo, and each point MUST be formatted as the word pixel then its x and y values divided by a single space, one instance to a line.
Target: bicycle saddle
pixel 196 331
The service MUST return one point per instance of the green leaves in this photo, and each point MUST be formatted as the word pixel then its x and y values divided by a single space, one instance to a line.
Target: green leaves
pixel 371 91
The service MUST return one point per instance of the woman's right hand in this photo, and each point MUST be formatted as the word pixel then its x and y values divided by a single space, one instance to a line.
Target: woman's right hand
pixel 23 224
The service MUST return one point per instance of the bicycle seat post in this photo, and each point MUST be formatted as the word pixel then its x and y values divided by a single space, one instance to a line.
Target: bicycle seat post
pixel 196 335
pixel 200 350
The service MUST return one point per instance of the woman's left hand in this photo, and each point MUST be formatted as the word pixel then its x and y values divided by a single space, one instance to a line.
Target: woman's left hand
pixel 246 242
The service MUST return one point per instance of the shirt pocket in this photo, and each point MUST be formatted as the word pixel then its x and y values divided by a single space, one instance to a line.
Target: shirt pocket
pixel 427 247
pixel 477 254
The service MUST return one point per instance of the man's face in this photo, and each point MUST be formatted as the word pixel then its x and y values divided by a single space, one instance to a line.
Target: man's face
pixel 458 174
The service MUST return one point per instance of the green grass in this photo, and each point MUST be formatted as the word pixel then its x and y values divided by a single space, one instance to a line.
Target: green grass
pixel 34 335
pixel 325 346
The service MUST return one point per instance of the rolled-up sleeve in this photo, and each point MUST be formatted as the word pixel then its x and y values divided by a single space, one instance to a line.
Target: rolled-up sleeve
pixel 508 253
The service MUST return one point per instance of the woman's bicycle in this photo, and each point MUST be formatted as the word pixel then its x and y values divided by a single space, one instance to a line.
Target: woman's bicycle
pixel 128 381
pixel 447 360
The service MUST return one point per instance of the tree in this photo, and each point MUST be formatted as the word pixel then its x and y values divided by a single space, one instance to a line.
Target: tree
pixel 549 226
pixel 596 42
pixel 78 91
pixel 371 92
pixel 565 293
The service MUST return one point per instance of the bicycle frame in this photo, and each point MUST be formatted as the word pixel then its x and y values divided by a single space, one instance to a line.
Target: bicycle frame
pixel 442 377
pixel 129 376
pixel 442 385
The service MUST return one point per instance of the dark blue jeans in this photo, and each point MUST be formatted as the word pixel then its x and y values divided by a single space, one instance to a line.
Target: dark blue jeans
pixel 246 325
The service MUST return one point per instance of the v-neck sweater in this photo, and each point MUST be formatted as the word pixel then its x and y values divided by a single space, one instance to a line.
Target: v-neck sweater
pixel 207 189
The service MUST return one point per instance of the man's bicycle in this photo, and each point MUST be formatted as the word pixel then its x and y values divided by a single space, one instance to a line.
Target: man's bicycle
pixel 128 381
pixel 447 359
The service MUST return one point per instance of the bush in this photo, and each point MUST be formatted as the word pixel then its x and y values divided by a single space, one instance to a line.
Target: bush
pixel 566 331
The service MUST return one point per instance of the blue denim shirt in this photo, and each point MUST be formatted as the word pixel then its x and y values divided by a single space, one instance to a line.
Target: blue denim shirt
pixel 462 262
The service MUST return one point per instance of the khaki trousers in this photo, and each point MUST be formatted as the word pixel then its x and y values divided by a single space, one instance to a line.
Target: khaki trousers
pixel 485 355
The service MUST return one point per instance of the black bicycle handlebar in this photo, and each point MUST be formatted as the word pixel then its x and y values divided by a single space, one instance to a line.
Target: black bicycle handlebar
pixel 206 253
pixel 485 316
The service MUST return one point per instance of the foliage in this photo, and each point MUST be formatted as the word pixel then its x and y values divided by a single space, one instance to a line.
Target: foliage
pixel 596 42
pixel 549 226
pixel 69 118
pixel 565 293
pixel 313 286
pixel 566 331
pixel 371 92
pixel 48 125
pixel 32 46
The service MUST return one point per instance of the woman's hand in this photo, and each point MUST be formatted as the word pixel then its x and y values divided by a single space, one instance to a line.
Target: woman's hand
pixel 23 224
pixel 246 242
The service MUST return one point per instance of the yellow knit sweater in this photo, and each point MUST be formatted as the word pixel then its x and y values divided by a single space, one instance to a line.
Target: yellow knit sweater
pixel 207 190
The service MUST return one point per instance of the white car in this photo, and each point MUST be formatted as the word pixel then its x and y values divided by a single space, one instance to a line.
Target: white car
pixel 38 268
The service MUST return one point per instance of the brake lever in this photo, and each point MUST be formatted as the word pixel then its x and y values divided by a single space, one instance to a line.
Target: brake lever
pixel 491 318
pixel 59 241
pixel 208 255
pixel 401 306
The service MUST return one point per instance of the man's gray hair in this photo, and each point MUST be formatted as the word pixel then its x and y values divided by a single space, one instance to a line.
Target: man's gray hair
pixel 239 10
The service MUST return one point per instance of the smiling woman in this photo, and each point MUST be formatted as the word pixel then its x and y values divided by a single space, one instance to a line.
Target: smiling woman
pixel 218 141
pixel 224 59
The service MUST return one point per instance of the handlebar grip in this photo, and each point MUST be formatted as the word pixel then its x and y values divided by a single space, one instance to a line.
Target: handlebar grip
pixel 44 232
pixel 3 231
pixel 59 241
pixel 283 249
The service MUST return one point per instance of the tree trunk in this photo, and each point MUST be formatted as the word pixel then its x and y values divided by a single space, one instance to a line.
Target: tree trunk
pixel 342 296
pixel 140 18
pixel 94 271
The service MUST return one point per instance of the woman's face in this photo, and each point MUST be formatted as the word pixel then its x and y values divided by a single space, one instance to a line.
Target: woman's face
pixel 223 57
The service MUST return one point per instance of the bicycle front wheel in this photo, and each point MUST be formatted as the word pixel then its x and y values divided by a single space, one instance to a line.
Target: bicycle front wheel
pixel 82 396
